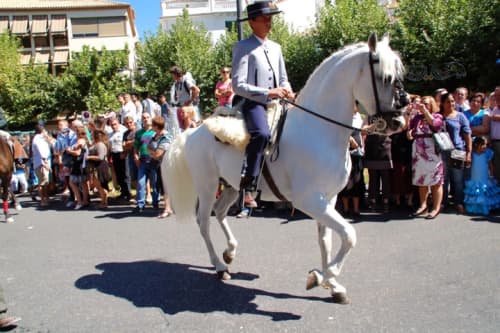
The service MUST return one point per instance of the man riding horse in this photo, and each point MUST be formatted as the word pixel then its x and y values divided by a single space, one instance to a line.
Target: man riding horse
pixel 259 75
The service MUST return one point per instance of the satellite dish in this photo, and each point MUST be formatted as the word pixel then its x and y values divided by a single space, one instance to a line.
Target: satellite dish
pixel 3 120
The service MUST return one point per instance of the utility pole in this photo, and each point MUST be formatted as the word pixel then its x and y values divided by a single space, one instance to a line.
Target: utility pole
pixel 238 18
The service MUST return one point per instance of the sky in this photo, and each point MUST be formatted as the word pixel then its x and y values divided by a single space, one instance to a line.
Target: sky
pixel 147 15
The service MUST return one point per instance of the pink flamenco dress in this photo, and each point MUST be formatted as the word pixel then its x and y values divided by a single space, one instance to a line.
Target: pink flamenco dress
pixel 482 194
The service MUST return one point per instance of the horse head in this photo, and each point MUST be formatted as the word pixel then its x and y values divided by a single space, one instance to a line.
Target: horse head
pixel 381 92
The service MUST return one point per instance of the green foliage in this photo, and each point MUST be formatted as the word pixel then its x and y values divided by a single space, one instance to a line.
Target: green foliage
pixel 93 80
pixel 436 38
pixel 349 21
pixel 185 45
pixel 446 43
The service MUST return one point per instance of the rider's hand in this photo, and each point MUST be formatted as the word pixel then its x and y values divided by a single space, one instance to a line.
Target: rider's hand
pixel 278 93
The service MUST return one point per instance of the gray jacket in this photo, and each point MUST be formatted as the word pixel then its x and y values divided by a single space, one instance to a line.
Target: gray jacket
pixel 252 72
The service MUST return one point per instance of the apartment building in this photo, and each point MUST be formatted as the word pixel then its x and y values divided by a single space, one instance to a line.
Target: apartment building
pixel 51 30
pixel 218 15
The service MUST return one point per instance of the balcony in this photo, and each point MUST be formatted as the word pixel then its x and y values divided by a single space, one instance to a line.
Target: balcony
pixel 174 7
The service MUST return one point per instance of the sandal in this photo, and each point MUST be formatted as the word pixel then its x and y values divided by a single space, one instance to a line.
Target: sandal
pixel 420 211
pixel 164 215
pixel 432 215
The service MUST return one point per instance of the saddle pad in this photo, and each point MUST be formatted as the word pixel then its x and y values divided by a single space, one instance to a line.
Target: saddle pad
pixel 227 125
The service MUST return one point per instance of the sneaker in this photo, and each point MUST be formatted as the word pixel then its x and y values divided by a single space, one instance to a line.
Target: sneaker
pixel 70 204
pixel 244 213
pixel 249 201
pixel 78 206
pixel 149 200
pixel 138 210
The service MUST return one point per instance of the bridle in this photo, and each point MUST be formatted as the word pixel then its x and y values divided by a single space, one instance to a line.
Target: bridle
pixel 379 124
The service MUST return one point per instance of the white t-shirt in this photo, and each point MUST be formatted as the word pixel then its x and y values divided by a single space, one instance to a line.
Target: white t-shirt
pixel 41 150
pixel 115 140
pixel 128 110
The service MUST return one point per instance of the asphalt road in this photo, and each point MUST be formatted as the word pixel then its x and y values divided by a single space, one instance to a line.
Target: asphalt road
pixel 109 271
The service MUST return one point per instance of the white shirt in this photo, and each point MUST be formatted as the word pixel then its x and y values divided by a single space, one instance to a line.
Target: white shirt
pixel 128 110
pixel 41 151
pixel 115 140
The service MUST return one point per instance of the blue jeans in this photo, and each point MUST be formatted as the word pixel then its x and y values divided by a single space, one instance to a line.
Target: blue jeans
pixel 146 171
pixel 456 178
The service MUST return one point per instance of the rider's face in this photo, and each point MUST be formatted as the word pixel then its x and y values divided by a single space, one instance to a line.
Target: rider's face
pixel 261 25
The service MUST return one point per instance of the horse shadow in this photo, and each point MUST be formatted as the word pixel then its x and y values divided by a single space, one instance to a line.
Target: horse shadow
pixel 175 287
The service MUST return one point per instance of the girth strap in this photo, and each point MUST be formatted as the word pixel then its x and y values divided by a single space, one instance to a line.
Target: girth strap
pixel 270 181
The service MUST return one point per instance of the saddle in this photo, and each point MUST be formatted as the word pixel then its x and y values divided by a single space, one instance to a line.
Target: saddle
pixel 228 126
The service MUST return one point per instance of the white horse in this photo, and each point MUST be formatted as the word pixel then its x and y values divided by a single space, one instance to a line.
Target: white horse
pixel 313 165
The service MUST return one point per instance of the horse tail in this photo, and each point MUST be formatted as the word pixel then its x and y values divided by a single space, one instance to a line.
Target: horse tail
pixel 180 186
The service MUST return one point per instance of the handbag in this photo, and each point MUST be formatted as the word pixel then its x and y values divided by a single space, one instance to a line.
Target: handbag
pixel 443 141
pixel 457 158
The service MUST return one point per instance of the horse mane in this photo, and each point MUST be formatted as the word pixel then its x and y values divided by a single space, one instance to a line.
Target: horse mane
pixel 390 64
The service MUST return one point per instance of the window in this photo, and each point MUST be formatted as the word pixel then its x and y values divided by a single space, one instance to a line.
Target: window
pixel 60 57
pixel 4 24
pixel 42 57
pixel 60 40
pixel 25 58
pixel 20 25
pixel 84 27
pixel 39 24
pixel 58 24
pixel 26 42
pixel 99 27
pixel 42 41
pixel 112 26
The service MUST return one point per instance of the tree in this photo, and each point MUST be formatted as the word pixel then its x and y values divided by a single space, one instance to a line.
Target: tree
pixel 92 80
pixel 185 45
pixel 347 22
pixel 10 72
pixel 446 43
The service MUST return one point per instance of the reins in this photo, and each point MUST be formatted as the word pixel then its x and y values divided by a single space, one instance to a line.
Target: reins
pixel 372 61
pixel 333 121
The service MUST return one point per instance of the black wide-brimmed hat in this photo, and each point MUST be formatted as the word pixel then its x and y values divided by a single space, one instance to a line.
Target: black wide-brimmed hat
pixel 259 8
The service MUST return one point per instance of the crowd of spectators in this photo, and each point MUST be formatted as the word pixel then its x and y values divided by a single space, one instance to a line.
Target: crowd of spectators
pixel 409 165
pixel 116 156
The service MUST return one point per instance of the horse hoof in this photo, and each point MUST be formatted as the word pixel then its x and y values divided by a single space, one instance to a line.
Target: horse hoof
pixel 223 275
pixel 340 298
pixel 227 258
pixel 312 280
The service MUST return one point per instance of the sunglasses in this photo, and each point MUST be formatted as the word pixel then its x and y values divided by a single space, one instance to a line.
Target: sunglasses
pixel 225 72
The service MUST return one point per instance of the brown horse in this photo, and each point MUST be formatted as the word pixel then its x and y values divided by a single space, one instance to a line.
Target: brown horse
pixel 6 171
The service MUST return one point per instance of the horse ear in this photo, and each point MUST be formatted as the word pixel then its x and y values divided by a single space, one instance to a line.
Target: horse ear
pixel 372 41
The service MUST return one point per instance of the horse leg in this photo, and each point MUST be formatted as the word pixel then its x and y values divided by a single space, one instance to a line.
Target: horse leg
pixel 221 207
pixel 325 214
pixel 5 199
pixel 206 199
pixel 315 277
pixel 16 204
